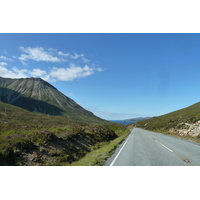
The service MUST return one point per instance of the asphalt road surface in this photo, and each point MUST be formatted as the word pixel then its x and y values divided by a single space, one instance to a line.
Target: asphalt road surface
pixel 146 148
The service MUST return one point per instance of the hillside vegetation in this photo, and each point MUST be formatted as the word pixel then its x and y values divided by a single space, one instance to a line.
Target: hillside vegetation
pixel 28 138
pixel 174 122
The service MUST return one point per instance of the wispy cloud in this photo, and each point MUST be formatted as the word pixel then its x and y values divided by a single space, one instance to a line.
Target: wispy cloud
pixel 60 53
pixel 5 58
pixel 76 56
pixel 3 64
pixel 49 55
pixel 38 54
pixel 77 65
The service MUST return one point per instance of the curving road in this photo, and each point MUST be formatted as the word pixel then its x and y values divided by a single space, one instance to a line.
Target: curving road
pixel 146 148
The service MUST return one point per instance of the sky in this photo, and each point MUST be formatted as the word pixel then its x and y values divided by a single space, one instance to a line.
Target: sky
pixel 114 75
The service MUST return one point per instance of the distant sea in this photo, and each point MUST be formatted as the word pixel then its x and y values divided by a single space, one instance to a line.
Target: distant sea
pixel 121 122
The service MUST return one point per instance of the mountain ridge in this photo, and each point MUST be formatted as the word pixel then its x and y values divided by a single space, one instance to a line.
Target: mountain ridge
pixel 37 95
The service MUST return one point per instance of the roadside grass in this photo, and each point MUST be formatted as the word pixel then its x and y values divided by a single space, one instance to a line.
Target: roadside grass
pixel 97 157
pixel 45 145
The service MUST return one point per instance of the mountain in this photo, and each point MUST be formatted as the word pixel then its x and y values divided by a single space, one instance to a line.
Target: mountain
pixel 37 95
pixel 175 122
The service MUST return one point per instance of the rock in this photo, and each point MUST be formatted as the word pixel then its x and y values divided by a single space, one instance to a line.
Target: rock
pixel 172 131
pixel 190 134
pixel 196 132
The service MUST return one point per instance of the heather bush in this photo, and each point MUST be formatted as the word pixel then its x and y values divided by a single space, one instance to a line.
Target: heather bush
pixel 41 137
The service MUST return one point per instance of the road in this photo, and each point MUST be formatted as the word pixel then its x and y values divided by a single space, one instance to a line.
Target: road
pixel 146 148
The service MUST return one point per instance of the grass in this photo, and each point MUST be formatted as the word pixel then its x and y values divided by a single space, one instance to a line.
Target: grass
pixel 97 157
pixel 36 139
pixel 171 120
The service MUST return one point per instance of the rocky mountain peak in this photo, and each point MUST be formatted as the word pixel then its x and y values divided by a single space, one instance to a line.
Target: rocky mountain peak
pixel 37 95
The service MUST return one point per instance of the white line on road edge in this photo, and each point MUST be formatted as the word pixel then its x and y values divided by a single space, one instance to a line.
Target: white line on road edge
pixel 164 146
pixel 119 152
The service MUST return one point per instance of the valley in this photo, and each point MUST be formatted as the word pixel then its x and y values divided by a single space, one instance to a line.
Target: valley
pixel 39 126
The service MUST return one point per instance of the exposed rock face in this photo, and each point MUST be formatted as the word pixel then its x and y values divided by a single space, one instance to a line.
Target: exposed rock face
pixel 188 129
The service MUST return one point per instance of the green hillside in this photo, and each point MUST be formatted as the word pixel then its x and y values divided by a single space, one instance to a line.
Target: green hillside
pixel 28 138
pixel 13 117
pixel 174 119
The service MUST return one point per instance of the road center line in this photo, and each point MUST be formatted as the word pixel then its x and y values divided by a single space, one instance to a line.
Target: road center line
pixel 119 152
pixel 164 146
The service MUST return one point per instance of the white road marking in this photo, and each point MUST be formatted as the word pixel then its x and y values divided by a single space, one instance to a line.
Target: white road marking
pixel 164 146
pixel 161 144
pixel 119 152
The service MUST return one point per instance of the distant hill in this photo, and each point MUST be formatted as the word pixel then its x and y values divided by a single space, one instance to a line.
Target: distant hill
pixel 175 119
pixel 37 95
pixel 134 120
pixel 130 121
pixel 121 122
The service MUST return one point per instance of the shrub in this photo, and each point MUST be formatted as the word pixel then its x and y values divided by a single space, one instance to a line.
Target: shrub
pixel 43 137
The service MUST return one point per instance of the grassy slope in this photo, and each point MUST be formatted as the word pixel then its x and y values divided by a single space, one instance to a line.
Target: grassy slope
pixel 171 120
pixel 97 157
pixel 28 138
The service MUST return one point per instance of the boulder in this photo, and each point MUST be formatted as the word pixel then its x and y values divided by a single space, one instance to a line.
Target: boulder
pixel 172 131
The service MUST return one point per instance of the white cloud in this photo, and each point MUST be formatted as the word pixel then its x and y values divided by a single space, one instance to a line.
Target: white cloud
pixel 78 68
pixel 14 73
pixel 38 54
pixel 99 69
pixel 71 73
pixel 38 72
pixel 19 73
pixel 5 58
pixel 56 74
pixel 60 53
pixel 76 56
pixel 49 55
pixel 3 64
pixel 23 63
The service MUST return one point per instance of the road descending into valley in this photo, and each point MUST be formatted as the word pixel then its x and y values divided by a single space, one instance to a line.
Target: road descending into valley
pixel 146 148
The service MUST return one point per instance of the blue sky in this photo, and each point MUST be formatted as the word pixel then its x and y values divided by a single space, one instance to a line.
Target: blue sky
pixel 116 76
